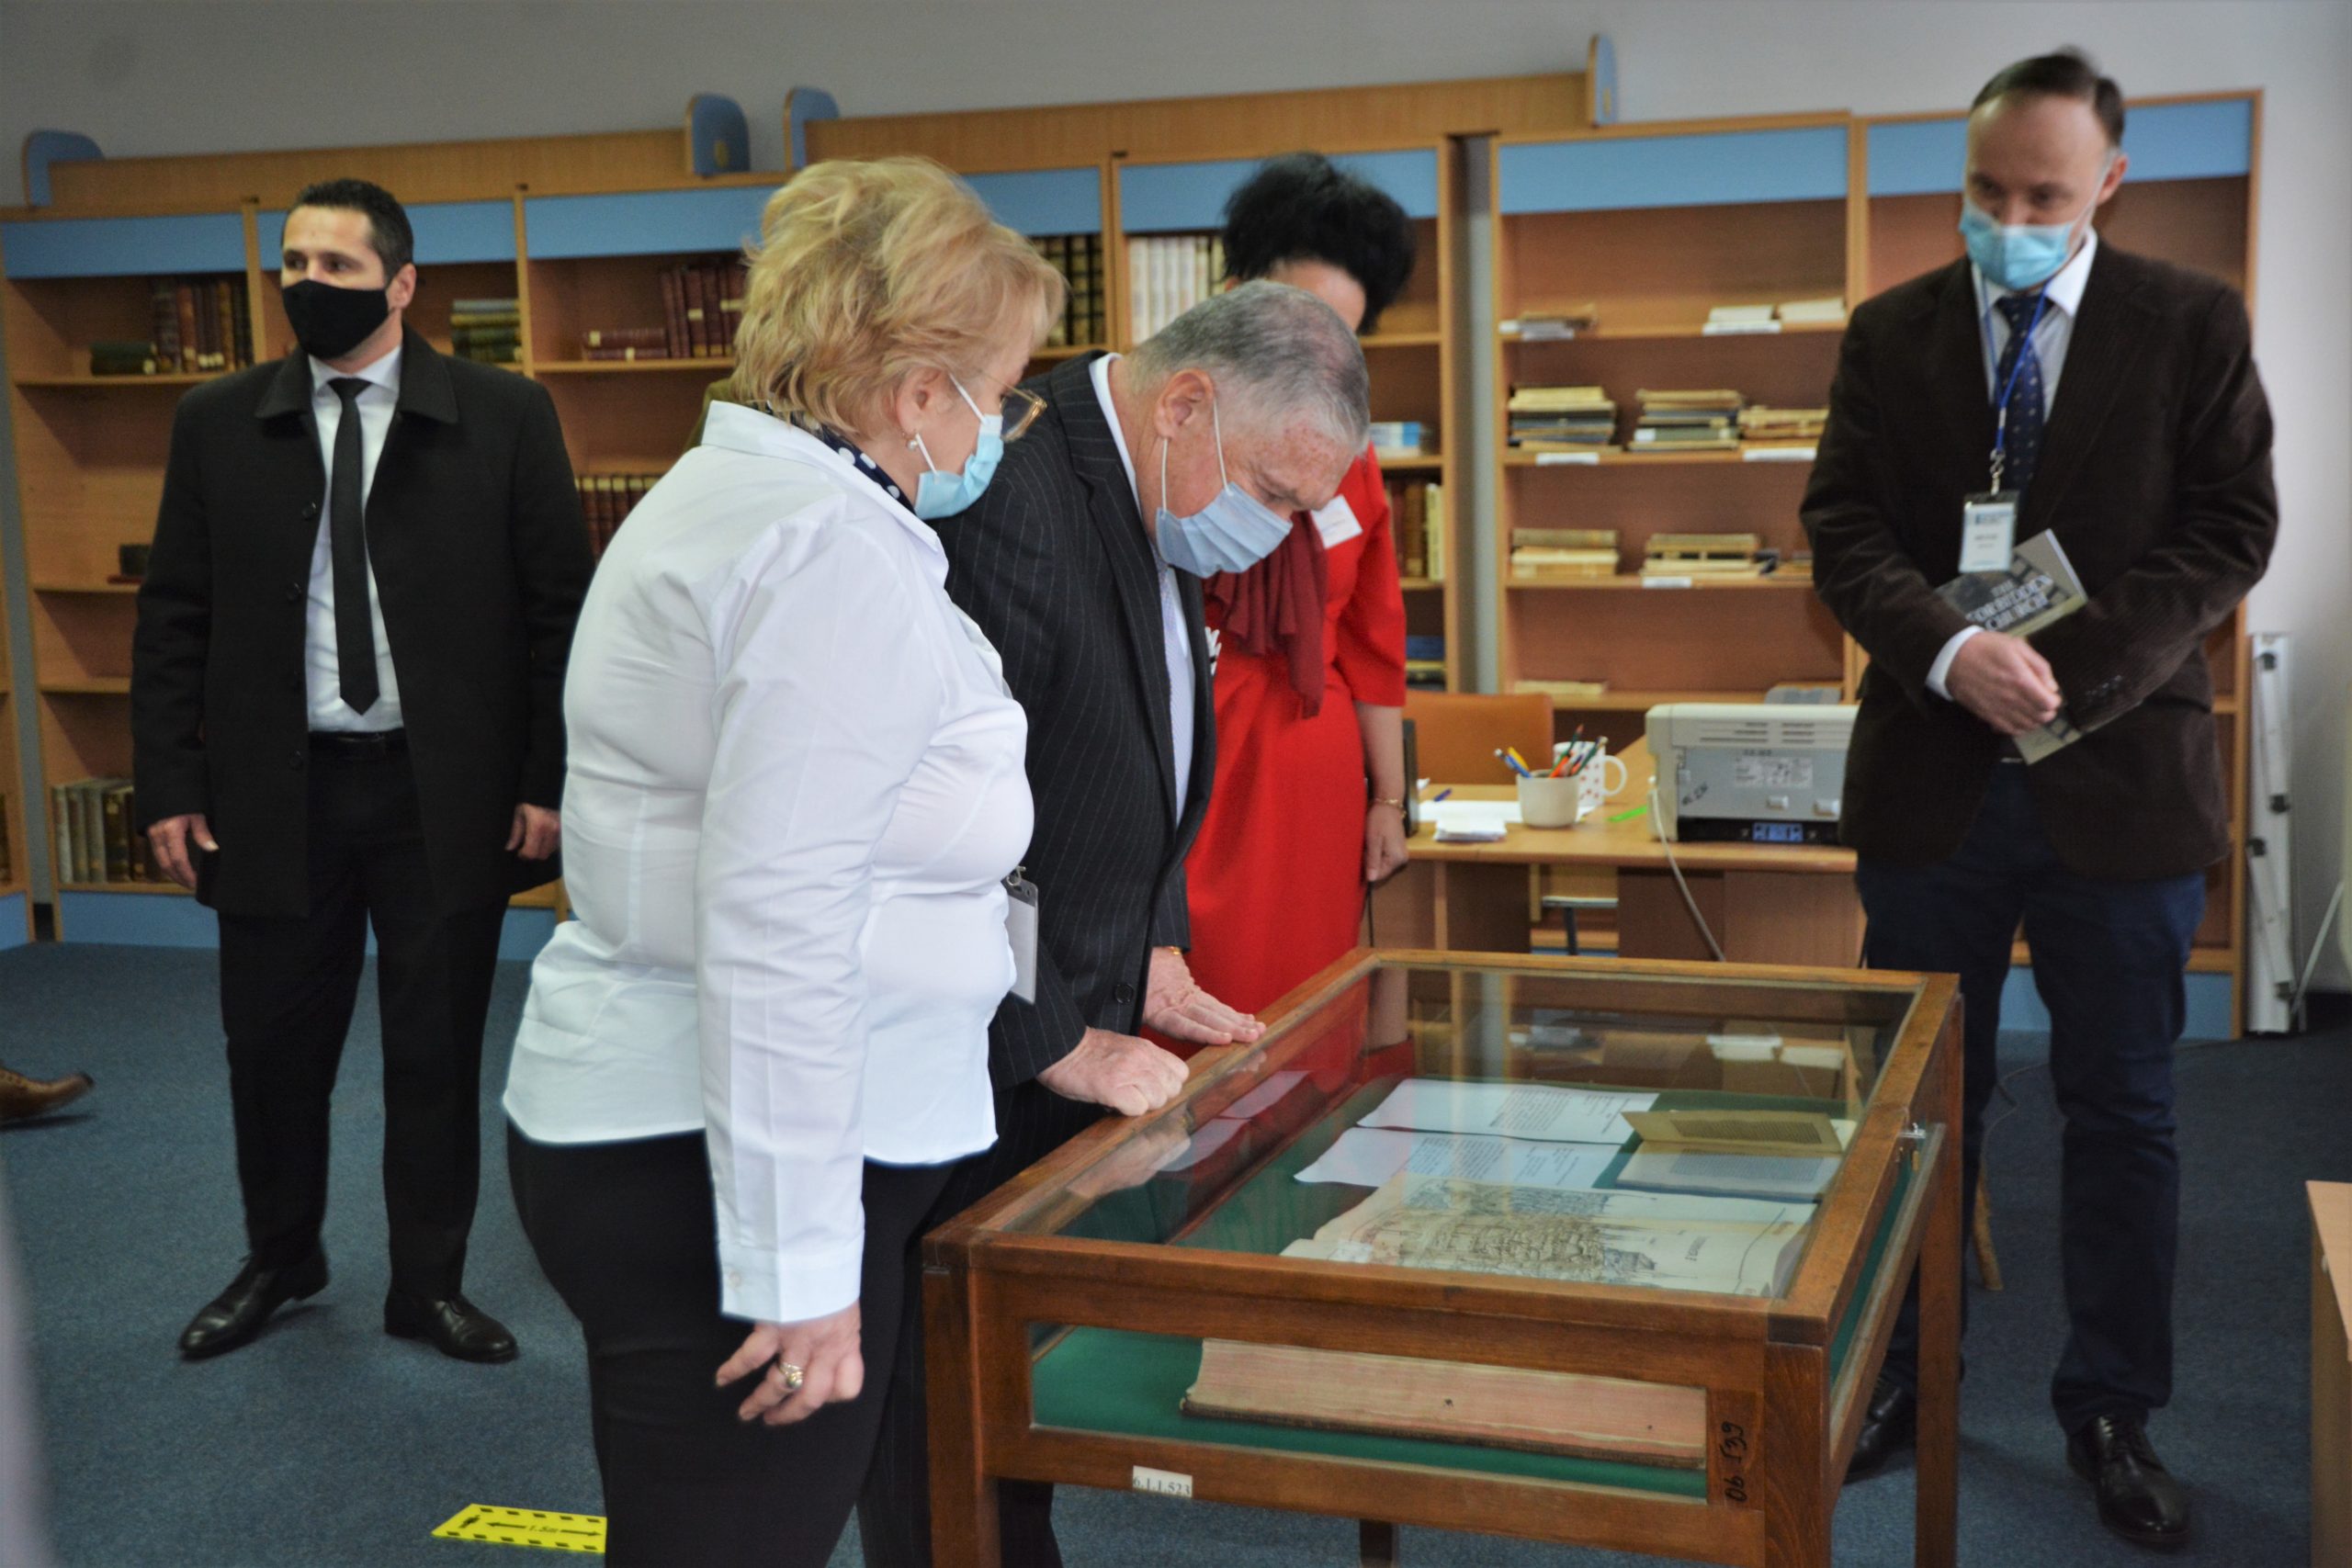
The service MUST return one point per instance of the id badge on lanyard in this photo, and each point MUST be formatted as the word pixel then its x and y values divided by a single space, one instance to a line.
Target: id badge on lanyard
pixel 1021 929
pixel 1989 520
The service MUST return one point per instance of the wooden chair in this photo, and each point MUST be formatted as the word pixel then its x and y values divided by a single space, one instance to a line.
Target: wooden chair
pixel 1455 734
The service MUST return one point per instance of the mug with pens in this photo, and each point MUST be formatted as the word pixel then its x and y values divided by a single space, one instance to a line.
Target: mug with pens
pixel 1548 799
pixel 1589 762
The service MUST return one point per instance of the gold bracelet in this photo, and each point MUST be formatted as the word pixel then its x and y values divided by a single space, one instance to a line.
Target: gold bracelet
pixel 1399 804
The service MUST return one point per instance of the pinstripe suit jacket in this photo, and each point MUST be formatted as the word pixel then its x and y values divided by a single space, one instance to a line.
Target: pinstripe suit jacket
pixel 1053 564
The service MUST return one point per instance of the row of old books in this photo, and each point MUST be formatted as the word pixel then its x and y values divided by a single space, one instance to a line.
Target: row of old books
pixel 606 500
pixel 1417 517
pixel 487 331
pixel 1761 425
pixel 1395 438
pixel 95 842
pixel 197 324
pixel 1722 321
pixel 1561 418
pixel 1541 553
pixel 1079 258
pixel 1694 420
pixel 1169 274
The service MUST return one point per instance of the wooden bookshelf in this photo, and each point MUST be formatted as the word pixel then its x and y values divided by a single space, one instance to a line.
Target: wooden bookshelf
pixel 2191 198
pixel 1649 229
pixel 21 816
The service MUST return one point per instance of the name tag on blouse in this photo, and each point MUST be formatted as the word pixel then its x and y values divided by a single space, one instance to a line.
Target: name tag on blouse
pixel 1337 522
pixel 1021 929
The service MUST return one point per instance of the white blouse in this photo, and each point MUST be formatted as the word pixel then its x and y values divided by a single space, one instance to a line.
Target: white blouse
pixel 795 786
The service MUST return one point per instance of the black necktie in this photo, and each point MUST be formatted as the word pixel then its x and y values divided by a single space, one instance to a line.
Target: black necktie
pixel 2019 371
pixel 354 630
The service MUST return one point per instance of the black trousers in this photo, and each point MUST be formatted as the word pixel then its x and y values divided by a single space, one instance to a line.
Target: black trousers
pixel 627 1234
pixel 288 988
pixel 2108 958
pixel 894 1509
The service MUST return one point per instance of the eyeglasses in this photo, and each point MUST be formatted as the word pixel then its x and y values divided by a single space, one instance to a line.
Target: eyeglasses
pixel 1021 409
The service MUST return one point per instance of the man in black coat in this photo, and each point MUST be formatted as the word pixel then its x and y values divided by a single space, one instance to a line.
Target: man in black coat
pixel 1064 563
pixel 346 711
pixel 2112 401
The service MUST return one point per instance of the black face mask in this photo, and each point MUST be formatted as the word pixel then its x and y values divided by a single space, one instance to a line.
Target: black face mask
pixel 329 322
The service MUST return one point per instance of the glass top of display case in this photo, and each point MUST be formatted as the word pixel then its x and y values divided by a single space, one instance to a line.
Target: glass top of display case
pixel 1662 1128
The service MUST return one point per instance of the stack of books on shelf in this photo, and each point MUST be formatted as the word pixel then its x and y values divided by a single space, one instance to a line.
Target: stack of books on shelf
pixel 606 500
pixel 1393 438
pixel 1564 691
pixel 1416 513
pixel 1540 326
pixel 1550 418
pixel 1704 555
pixel 1763 426
pixel 1169 274
pixel 620 345
pixel 200 325
pixel 1735 321
pixel 1425 662
pixel 95 842
pixel 489 331
pixel 1687 421
pixel 701 303
pixel 1563 552
pixel 1079 258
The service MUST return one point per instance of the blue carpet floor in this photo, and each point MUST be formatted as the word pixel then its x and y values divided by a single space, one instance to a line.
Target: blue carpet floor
pixel 327 1444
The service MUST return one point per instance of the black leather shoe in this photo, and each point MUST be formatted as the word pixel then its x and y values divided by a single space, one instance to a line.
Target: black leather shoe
pixel 453 1325
pixel 1889 1423
pixel 237 1314
pixel 2138 1498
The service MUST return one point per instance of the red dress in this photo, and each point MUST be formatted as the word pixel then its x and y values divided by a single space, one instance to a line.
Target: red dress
pixel 1275 879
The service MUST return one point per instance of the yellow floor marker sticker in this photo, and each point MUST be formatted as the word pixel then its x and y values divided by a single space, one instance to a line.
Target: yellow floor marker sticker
pixel 526 1527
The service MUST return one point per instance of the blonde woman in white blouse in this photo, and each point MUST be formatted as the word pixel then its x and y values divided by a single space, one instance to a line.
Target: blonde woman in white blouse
pixel 796 786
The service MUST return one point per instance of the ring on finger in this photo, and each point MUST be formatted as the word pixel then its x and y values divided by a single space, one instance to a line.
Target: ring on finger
pixel 790 1375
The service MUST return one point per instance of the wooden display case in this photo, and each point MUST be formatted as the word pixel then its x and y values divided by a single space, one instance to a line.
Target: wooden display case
pixel 1067 1315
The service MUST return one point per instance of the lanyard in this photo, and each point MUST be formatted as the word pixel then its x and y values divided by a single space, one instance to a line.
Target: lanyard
pixel 2001 407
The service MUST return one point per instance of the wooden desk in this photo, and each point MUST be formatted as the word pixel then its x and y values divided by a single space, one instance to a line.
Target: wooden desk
pixel 1767 904
pixel 2331 1373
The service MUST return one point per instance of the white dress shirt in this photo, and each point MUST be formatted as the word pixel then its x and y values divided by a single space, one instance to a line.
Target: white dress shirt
pixel 320 663
pixel 2050 336
pixel 795 783
pixel 1175 636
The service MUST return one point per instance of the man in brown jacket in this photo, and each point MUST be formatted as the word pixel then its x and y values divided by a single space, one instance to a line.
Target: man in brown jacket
pixel 2151 463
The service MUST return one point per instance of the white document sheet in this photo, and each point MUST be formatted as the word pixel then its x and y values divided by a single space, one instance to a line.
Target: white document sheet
pixel 1368 1157
pixel 1470 821
pixel 1547 1111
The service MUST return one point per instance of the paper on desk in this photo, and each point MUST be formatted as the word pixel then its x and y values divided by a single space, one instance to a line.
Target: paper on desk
pixel 1368 1157
pixel 1470 821
pixel 1547 1112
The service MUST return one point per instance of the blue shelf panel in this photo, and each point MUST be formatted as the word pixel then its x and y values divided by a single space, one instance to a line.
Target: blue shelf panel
pixel 1712 169
pixel 136 920
pixel 1043 201
pixel 13 931
pixel 446 232
pixel 2165 142
pixel 643 223
pixel 125 247
pixel 1165 197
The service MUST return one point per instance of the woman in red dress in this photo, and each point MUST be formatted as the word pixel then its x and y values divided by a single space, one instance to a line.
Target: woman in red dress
pixel 1308 804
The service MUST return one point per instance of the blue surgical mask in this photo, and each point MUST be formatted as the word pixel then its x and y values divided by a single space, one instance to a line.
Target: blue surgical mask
pixel 944 495
pixel 2018 256
pixel 1234 532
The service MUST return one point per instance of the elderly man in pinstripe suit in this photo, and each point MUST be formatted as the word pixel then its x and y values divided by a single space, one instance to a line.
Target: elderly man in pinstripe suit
pixel 1061 565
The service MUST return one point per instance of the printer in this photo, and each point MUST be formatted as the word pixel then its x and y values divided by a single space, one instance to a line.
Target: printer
pixel 1749 772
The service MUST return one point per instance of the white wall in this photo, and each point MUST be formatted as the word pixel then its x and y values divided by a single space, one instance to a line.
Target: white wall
pixel 201 76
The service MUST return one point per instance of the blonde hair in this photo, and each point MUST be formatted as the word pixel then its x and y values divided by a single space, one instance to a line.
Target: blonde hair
pixel 866 272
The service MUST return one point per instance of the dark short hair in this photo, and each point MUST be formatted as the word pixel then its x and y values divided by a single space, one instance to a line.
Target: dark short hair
pixel 2068 74
pixel 388 230
pixel 1299 207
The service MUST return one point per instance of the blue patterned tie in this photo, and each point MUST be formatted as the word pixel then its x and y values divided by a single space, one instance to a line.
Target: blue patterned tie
pixel 2023 447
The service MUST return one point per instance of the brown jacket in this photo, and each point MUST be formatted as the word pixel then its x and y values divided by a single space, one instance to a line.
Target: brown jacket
pixel 2156 476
